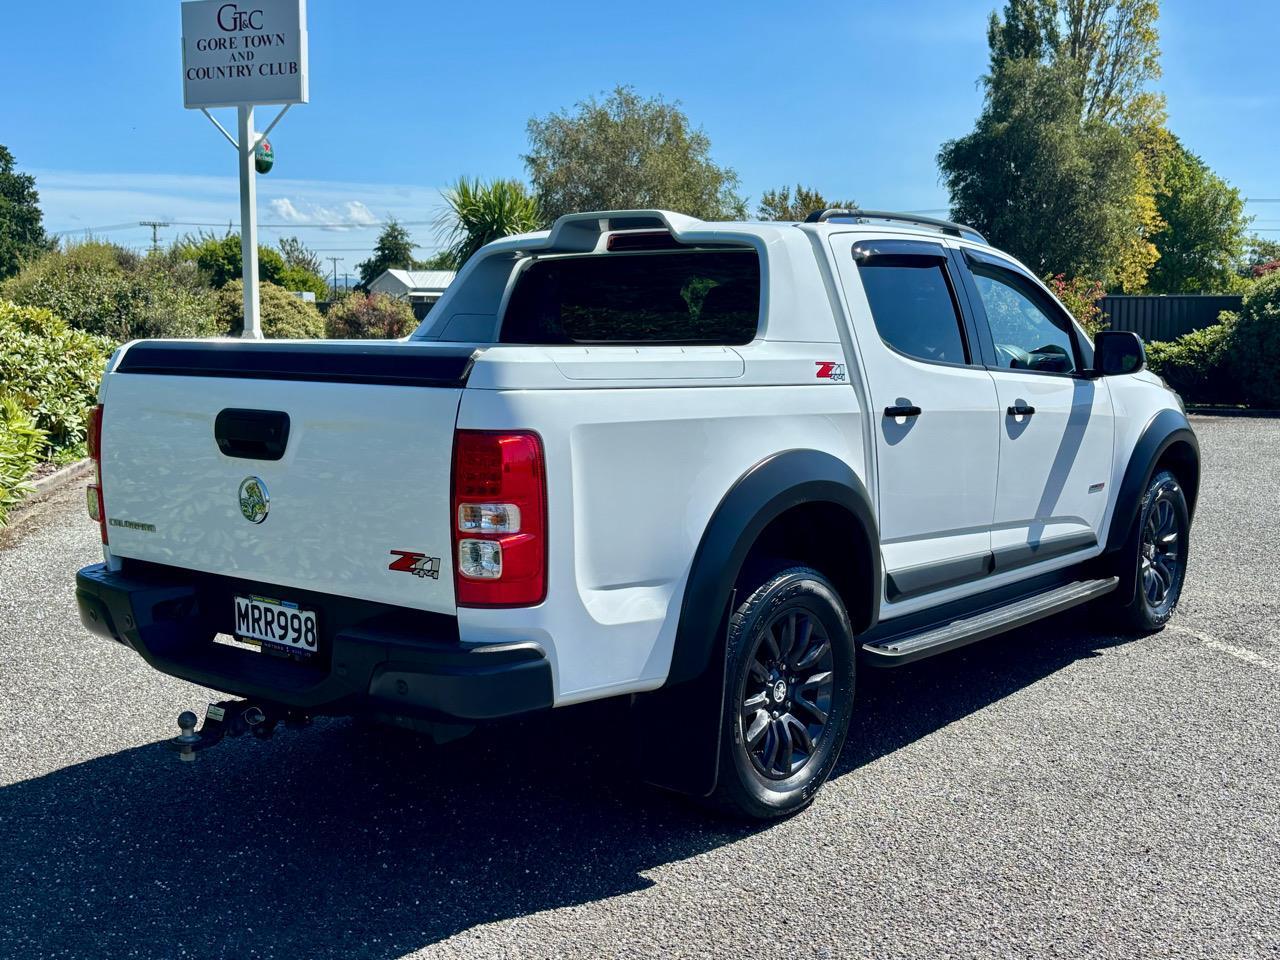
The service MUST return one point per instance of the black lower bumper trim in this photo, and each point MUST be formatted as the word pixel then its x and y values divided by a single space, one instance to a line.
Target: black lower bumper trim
pixel 371 657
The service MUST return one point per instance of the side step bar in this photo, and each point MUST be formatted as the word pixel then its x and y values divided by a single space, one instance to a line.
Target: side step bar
pixel 915 646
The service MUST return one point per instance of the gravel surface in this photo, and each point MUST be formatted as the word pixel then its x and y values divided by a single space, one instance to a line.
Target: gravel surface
pixel 1057 792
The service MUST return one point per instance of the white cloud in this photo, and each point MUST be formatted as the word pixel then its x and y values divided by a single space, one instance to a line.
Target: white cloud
pixel 352 213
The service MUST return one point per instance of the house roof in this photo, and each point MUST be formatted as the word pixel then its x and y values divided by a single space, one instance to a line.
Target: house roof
pixel 422 279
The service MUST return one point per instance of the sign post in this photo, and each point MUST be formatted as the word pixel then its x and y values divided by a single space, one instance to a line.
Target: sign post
pixel 249 225
pixel 242 54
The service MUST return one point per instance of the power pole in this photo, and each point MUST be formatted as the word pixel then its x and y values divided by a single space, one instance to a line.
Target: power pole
pixel 334 261
pixel 155 226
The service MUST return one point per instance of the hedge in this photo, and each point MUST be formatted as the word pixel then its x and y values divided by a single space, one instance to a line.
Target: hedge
pixel 20 444
pixel 1195 364
pixel 1235 361
pixel 104 289
pixel 1255 343
pixel 52 372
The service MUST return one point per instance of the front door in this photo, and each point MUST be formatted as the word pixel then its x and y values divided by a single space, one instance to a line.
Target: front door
pixel 1057 426
pixel 934 414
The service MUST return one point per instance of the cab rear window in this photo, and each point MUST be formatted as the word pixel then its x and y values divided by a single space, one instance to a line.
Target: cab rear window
pixel 689 295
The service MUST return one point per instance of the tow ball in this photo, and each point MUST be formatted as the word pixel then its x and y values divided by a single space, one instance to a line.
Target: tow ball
pixel 230 718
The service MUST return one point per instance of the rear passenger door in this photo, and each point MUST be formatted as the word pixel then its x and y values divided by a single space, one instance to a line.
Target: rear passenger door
pixel 934 414
pixel 1057 425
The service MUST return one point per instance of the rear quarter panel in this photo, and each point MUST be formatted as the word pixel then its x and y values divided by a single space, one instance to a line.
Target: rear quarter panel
pixel 634 473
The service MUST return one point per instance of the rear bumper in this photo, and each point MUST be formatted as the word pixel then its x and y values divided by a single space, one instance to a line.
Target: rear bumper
pixel 372 658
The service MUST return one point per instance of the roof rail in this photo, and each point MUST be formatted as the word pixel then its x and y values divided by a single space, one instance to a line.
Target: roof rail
pixel 944 226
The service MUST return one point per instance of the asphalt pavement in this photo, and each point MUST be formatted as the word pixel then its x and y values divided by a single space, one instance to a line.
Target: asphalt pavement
pixel 1056 792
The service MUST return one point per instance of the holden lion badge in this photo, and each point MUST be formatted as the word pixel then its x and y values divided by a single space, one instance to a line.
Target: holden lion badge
pixel 255 502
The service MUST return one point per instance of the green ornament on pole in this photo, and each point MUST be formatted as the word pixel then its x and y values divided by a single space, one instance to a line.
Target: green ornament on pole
pixel 264 158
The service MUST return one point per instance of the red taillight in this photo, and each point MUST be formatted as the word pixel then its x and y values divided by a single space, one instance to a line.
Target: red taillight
pixel 97 511
pixel 499 519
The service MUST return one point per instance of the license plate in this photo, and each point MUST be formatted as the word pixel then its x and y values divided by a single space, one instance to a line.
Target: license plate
pixel 278 623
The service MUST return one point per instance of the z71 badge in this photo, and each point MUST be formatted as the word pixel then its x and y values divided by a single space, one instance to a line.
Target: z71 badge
pixel 419 564
pixel 830 370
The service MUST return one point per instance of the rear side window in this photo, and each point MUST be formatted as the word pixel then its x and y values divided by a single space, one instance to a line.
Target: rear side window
pixel 684 296
pixel 914 308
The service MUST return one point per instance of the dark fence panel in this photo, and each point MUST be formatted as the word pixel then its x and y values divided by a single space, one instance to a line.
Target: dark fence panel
pixel 1166 318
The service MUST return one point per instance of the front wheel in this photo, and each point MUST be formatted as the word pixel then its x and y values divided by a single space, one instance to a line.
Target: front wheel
pixel 1160 555
pixel 788 694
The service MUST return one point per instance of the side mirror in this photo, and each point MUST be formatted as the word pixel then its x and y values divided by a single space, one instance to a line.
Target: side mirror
pixel 1117 352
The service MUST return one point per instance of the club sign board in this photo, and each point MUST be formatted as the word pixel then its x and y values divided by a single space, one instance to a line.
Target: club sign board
pixel 237 52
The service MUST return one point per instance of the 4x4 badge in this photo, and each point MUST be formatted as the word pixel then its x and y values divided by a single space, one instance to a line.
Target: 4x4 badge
pixel 419 564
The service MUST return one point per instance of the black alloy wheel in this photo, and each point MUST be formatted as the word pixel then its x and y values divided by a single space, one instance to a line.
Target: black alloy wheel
pixel 1160 557
pixel 786 693
pixel 1158 550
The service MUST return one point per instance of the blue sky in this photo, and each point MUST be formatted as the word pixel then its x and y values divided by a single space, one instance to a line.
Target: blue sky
pixel 853 98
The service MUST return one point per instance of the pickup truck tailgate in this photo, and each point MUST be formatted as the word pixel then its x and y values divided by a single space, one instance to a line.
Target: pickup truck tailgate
pixel 365 471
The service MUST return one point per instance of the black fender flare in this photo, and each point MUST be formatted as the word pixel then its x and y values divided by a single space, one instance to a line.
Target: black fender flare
pixel 1163 431
pixel 687 709
pixel 766 491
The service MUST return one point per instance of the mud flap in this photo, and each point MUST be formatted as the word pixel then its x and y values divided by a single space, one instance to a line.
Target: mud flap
pixel 675 730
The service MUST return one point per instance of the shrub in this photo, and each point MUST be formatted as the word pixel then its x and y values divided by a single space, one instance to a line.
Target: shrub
pixel 376 316
pixel 284 316
pixel 1081 297
pixel 1197 363
pixel 105 289
pixel 20 444
pixel 1255 345
pixel 52 371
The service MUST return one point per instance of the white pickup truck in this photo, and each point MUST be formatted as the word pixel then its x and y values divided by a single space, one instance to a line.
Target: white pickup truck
pixel 710 467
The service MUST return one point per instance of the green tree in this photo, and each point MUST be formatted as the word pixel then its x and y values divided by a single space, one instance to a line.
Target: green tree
pixel 627 152
pixel 1110 49
pixel 442 260
pixel 477 213
pixel 1057 192
pixel 300 279
pixel 297 254
pixel 780 204
pixel 303 269
pixel 1068 108
pixel 220 262
pixel 1203 236
pixel 394 250
pixel 22 234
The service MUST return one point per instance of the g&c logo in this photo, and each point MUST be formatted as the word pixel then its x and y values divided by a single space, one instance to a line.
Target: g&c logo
pixel 232 18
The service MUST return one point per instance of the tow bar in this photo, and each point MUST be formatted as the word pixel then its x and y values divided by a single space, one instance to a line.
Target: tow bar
pixel 230 718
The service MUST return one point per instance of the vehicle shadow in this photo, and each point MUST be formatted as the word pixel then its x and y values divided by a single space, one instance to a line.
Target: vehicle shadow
pixel 336 842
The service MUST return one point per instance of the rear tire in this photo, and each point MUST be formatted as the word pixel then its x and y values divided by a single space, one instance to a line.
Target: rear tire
pixel 789 688
pixel 1159 552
